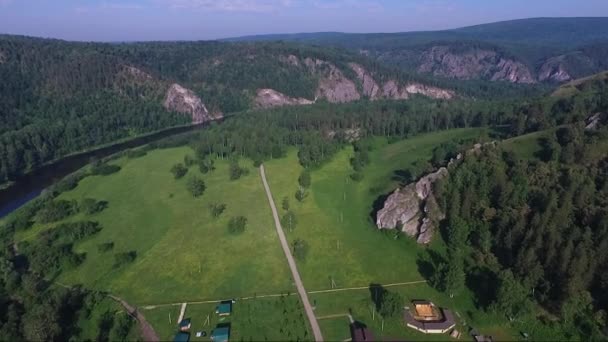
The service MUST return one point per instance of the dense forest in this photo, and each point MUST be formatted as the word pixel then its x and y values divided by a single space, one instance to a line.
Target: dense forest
pixel 60 97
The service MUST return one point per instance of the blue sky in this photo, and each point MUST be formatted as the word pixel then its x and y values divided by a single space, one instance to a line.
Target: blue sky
pixel 127 20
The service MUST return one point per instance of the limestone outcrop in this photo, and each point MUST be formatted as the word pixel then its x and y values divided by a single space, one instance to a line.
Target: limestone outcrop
pixel 268 98
pixel 413 208
pixel 183 100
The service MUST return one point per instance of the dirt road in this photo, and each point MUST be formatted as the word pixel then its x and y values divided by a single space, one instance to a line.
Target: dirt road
pixel 292 264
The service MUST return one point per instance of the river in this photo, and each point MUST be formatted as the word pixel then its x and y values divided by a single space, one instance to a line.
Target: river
pixel 30 185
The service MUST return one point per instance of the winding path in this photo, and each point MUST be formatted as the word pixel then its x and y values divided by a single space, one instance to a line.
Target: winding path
pixel 292 264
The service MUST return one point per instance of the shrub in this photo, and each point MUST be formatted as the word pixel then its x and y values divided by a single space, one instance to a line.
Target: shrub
pixel 105 246
pixel 189 160
pixel 236 171
pixel 124 258
pixel 196 186
pixel 304 179
pixel 104 169
pixel 301 195
pixel 132 154
pixel 356 176
pixel 237 225
pixel 90 206
pixel 391 304
pixel 285 203
pixel 179 170
pixel 56 210
pixel 300 249
pixel 289 221
pixel 217 209
pixel 206 165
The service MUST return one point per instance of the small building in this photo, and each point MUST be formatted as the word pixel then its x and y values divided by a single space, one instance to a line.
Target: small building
pixel 221 333
pixel 360 333
pixel 428 318
pixel 224 308
pixel 185 324
pixel 182 337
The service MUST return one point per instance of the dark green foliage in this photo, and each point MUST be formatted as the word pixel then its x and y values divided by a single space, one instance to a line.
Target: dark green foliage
pixel 179 170
pixel 206 165
pixel 138 153
pixel 121 327
pixel 391 304
pixel 217 209
pixel 52 249
pixel 237 225
pixel 121 259
pixel 56 210
pixel 300 249
pixel 301 195
pixel 105 246
pixel 304 179
pixel 196 186
pixel 189 160
pixel 235 170
pixel 68 183
pixel 356 176
pixel 443 153
pixel 540 227
pixel 104 169
pixel 289 221
pixel 285 203
pixel 91 206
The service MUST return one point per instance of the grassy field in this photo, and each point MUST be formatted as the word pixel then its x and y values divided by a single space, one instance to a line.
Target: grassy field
pixel 335 219
pixel 183 254
pixel 260 319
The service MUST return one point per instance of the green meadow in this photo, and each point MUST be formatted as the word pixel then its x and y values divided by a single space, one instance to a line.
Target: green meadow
pixel 183 253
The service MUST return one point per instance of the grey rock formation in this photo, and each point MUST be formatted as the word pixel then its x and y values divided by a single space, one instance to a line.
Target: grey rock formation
pixel 182 100
pixel 391 90
pixel 429 91
pixel 473 63
pixel 137 74
pixel 268 98
pixel 554 70
pixel 369 85
pixel 595 120
pixel 413 208
pixel 3 57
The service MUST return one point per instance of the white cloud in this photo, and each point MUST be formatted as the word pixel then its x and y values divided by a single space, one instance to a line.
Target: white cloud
pixel 231 5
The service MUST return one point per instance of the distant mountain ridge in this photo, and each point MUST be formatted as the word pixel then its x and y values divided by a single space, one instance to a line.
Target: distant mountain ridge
pixel 517 51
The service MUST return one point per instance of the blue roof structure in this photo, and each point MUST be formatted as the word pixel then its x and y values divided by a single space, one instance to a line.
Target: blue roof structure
pixel 220 334
pixel 181 337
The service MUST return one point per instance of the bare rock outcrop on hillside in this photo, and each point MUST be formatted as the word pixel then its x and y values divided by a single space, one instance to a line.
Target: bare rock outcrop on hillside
pixel 391 90
pixel 554 70
pixel 182 100
pixel 268 98
pixel 429 91
pixel 3 57
pixel 333 85
pixel 473 63
pixel 137 74
pixel 595 120
pixel 369 85
pixel 413 208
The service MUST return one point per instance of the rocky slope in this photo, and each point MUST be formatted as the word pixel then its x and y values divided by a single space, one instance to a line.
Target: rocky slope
pixel 182 100
pixel 268 98
pixel 413 208
pixel 473 63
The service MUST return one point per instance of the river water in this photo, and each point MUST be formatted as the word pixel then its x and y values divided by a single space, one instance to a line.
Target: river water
pixel 30 185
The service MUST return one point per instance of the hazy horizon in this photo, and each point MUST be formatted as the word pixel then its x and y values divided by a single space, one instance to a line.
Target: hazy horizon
pixel 145 20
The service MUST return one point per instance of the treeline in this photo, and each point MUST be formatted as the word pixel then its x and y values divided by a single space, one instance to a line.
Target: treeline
pixel 538 229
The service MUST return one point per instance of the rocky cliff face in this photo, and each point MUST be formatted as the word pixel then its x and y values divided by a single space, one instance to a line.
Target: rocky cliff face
pixel 413 208
pixel 554 70
pixel 182 100
pixel 370 88
pixel 473 63
pixel 268 98
pixel 333 85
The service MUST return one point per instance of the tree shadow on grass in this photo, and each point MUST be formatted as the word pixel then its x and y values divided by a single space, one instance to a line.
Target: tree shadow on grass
pixel 404 176
pixel 377 206
pixel 377 293
pixel 482 282
pixel 428 262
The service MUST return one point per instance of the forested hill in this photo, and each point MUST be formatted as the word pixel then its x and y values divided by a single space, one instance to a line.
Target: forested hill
pixel 58 97
pixel 519 51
